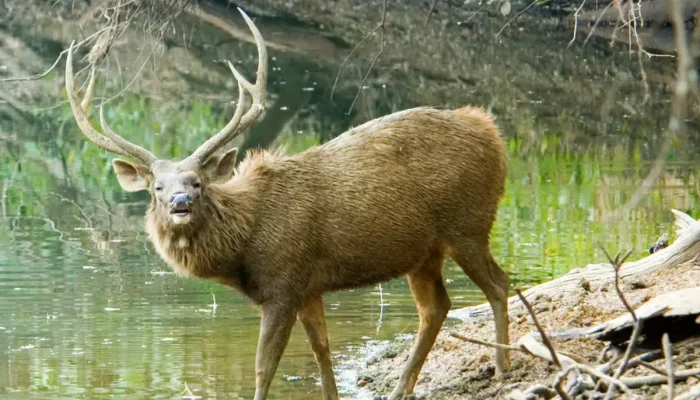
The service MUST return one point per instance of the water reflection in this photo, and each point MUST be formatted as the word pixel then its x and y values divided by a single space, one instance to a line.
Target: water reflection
pixel 87 309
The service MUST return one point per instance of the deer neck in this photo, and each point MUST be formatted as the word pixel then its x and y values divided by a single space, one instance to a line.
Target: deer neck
pixel 211 246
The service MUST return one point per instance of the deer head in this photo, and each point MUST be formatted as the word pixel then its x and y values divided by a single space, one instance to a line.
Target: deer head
pixel 176 187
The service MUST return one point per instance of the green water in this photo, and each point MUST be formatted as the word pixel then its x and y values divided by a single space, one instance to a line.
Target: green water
pixel 88 310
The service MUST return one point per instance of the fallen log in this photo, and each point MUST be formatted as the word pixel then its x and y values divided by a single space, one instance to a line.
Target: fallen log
pixel 685 248
pixel 676 313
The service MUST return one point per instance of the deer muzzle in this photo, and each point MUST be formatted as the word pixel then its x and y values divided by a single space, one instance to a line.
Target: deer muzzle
pixel 180 208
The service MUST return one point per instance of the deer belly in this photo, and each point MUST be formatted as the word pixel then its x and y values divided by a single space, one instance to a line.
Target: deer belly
pixel 366 271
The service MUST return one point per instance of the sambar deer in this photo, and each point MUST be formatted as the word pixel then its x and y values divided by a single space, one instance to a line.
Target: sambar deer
pixel 388 198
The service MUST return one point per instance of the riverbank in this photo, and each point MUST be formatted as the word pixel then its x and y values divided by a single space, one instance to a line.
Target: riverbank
pixel 459 370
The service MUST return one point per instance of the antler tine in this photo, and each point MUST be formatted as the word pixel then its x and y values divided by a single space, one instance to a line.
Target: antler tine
pixel 110 140
pixel 85 104
pixel 79 109
pixel 257 92
pixel 135 151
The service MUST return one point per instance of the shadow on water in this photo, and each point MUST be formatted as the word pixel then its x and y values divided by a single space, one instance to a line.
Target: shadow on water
pixel 87 309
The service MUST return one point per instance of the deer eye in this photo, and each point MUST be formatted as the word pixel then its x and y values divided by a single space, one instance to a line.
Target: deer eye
pixel 158 188
pixel 196 185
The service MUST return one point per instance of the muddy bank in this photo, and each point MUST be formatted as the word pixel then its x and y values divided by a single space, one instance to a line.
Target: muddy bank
pixel 459 370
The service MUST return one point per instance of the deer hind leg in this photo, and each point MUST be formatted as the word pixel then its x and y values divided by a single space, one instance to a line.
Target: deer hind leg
pixel 275 329
pixel 478 263
pixel 313 318
pixel 433 304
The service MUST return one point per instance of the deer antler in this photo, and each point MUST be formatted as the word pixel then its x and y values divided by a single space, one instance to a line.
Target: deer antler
pixel 110 140
pixel 240 122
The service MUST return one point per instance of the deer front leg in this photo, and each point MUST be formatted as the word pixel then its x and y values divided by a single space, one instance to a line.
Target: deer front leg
pixel 312 317
pixel 275 328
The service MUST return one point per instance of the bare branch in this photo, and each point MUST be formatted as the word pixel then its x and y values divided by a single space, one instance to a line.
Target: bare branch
pixel 515 17
pixel 668 353
pixel 55 63
pixel 628 353
pixel 616 264
pixel 573 39
pixel 487 344
pixel 545 339
pixel 364 79
pixel 589 370
pixel 430 13
pixel 651 367
pixel 379 27
pixel 637 382
pixel 595 25
pixel 525 345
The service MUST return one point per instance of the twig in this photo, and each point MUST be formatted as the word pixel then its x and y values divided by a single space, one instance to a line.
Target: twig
pixel 573 39
pixel 545 338
pixel 616 263
pixel 643 73
pixel 379 26
pixel 625 360
pixel 381 307
pixel 650 367
pixel 533 347
pixel 522 347
pixel 371 65
pixel 668 353
pixel 124 89
pixel 595 25
pixel 374 60
pixel 487 344
pixel 620 17
pixel 86 219
pixel 214 305
pixel 432 7
pixel 55 63
pixel 651 380
pixel 589 370
pixel 645 358
pixel 37 76
pixel 515 17
pixel 187 394
pixel 546 341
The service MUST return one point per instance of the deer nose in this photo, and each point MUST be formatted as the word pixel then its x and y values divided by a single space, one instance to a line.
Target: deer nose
pixel 180 198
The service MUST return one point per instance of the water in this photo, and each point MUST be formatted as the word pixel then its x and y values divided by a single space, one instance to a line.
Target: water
pixel 88 310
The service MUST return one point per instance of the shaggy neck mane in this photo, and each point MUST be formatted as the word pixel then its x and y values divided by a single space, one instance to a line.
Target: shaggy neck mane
pixel 209 246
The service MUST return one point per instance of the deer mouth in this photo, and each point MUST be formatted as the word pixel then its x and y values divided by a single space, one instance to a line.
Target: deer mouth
pixel 181 214
pixel 180 210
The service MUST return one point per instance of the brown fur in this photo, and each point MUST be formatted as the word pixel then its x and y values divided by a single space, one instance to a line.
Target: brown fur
pixel 388 198
pixel 361 209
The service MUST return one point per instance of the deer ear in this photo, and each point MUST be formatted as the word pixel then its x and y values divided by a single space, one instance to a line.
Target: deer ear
pixel 131 177
pixel 219 167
